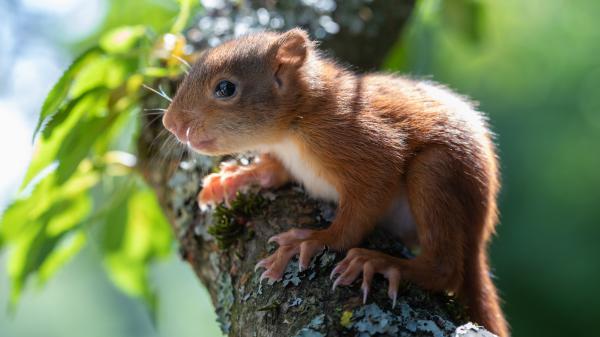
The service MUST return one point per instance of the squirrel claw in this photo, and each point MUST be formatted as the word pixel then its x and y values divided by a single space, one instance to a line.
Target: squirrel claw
pixel 334 272
pixel 365 290
pixel 394 297
pixel 291 243
pixel 335 284
pixel 368 263
pixel 261 264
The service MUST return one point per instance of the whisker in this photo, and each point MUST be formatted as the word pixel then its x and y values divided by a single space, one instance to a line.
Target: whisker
pixel 160 157
pixel 161 134
pixel 161 93
pixel 169 143
pixel 153 113
pixel 170 150
pixel 183 153
pixel 184 62
pixel 184 69
pixel 151 121
pixel 164 94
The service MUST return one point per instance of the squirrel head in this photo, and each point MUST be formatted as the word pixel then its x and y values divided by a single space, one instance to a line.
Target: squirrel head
pixel 242 93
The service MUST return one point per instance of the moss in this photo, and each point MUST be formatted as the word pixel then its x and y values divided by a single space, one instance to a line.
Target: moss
pixel 229 222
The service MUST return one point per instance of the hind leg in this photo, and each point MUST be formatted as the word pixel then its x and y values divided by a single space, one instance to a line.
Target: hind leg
pixel 442 205
pixel 366 262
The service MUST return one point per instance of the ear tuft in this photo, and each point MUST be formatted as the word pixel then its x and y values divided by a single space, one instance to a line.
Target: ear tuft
pixel 292 47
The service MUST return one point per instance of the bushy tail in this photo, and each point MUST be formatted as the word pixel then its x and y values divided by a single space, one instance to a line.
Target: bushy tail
pixel 481 297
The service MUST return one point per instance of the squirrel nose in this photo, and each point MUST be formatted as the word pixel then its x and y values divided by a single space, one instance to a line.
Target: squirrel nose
pixel 176 127
pixel 168 123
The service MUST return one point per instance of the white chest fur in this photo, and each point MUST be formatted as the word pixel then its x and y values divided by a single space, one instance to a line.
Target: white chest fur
pixel 302 169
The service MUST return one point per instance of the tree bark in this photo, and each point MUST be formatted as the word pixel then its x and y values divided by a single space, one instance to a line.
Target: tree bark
pixel 223 245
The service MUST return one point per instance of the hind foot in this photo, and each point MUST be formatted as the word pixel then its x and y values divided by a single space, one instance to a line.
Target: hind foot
pixel 368 263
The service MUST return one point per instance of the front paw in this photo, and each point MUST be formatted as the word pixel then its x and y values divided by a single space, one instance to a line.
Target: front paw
pixel 224 185
pixel 304 242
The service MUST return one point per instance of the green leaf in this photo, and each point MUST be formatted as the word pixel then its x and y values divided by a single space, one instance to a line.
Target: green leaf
pixel 70 245
pixel 28 254
pixel 82 120
pixel 134 233
pixel 106 71
pixel 122 134
pixel 61 89
pixel 28 210
pixel 36 227
pixel 122 39
pixel 74 128
pixel 76 146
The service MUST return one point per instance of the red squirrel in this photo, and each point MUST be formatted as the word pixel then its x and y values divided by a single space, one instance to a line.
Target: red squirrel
pixel 369 142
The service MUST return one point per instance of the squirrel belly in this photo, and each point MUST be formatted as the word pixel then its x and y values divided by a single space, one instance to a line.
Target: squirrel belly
pixel 303 168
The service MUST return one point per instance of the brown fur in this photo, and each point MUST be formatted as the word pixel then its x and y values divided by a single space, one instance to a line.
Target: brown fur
pixel 370 136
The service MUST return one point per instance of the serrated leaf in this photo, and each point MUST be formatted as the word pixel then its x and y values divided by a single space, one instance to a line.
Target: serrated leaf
pixel 77 145
pixel 71 132
pixel 72 129
pixel 26 211
pixel 80 120
pixel 60 90
pixel 34 236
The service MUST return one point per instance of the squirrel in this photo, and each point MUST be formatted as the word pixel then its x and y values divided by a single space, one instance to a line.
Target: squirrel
pixel 377 144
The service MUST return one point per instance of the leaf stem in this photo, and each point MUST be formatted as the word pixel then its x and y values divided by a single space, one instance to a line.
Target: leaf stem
pixel 182 17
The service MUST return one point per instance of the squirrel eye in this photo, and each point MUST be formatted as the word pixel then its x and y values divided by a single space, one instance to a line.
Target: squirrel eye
pixel 224 89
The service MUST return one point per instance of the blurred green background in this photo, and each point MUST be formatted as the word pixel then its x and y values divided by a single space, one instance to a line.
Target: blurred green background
pixel 535 69
pixel 532 65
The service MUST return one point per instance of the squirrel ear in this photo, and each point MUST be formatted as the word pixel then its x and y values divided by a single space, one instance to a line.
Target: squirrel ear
pixel 292 47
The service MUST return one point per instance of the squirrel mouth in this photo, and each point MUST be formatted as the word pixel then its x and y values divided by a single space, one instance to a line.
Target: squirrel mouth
pixel 202 144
